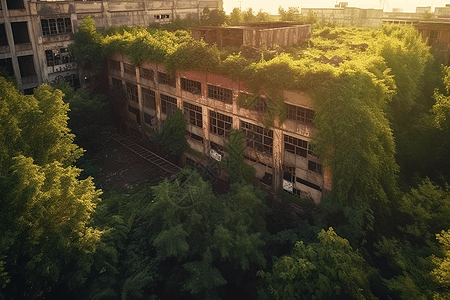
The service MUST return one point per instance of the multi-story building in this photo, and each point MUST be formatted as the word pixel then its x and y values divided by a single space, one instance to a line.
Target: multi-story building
pixel 35 34
pixel 281 154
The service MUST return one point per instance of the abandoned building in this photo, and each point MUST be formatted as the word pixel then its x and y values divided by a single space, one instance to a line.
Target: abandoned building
pixel 281 154
pixel 35 34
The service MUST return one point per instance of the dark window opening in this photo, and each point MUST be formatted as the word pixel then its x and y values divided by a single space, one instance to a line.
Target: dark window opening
pixel 258 138
pixel 164 78
pixel 148 119
pixel 132 93
pixel 168 104
pixel 7 65
pixel 220 124
pixel 129 69
pixel 56 26
pixel 149 98
pixel 114 65
pixel 193 114
pixel 20 32
pixel 194 136
pixel 301 114
pixel 191 86
pixel 146 73
pixel 315 167
pixel 15 4
pixel 3 37
pixel 26 66
pixel 221 94
pixel 136 112
pixel 309 184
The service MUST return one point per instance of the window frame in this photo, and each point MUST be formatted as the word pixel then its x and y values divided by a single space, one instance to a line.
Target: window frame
pixel 191 86
pixel 258 138
pixel 221 94
pixel 168 104
pixel 301 114
pixel 148 98
pixel 220 124
pixel 193 113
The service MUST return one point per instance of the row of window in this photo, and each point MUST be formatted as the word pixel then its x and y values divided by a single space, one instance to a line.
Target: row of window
pixel 56 26
pixel 257 137
pixel 225 95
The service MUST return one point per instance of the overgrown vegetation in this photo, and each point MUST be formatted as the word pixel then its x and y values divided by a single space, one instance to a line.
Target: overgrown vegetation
pixel 377 117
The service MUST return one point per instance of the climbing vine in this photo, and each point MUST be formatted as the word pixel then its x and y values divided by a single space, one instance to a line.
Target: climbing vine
pixel 357 77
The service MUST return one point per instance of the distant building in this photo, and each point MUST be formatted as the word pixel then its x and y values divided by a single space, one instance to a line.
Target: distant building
pixel 35 35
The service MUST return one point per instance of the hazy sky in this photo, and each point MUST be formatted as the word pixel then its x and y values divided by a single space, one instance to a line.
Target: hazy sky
pixel 271 6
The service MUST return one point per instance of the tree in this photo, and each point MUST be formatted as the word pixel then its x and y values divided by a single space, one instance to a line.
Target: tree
pixel 213 17
pixel 87 44
pixel 234 163
pixel 172 133
pixel 47 239
pixel 235 17
pixel 329 269
pixel 293 14
pixel 89 116
pixel 441 272
pixel 249 16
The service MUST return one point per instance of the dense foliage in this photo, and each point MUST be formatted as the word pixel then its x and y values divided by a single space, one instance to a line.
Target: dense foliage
pixel 47 240
pixel 179 240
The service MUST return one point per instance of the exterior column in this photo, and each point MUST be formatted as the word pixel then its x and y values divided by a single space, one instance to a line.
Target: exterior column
pixel 277 176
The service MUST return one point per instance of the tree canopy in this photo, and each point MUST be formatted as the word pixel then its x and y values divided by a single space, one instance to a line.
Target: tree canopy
pixel 47 239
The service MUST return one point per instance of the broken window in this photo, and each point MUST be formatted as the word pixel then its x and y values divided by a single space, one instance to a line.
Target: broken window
pixel 146 73
pixel 193 114
pixel 20 32
pixel 258 138
pixel 249 102
pixel 56 26
pixel 191 86
pixel 149 98
pixel 221 94
pixel 301 114
pixel 194 137
pixel 164 78
pixel 129 69
pixel 132 93
pixel 168 104
pixel 59 57
pixel 114 65
pixel 220 124
pixel 315 167
pixel 295 146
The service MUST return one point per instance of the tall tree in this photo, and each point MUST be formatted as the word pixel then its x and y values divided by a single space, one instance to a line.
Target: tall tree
pixel 47 239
